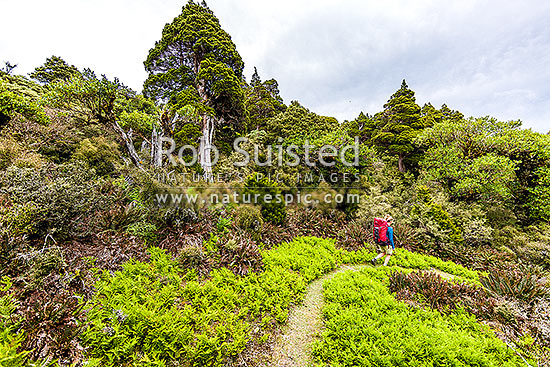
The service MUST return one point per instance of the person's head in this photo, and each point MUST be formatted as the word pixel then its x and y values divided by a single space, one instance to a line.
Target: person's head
pixel 389 219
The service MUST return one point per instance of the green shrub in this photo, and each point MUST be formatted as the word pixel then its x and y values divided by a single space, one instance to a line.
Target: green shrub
pixel 365 325
pixel 63 194
pixel 223 225
pixel 268 193
pixel 189 134
pixel 11 104
pixel 20 219
pixel 13 152
pixel 137 121
pixel 144 230
pixel 43 262
pixel 98 153
pixel 539 196
pixel 248 217
pixel 530 245
pixel 191 256
pixel 426 208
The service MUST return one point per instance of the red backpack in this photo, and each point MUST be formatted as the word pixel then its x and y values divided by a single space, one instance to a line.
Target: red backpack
pixel 380 231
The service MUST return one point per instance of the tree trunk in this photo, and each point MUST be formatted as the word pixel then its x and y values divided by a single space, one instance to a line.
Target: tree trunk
pixel 205 146
pixel 402 167
pixel 127 137
pixel 156 157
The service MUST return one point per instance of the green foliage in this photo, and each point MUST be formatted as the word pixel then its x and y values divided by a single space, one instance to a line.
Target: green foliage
pixel 248 217
pixel 262 101
pixel 435 212
pixel 530 246
pixel 400 123
pixel 54 69
pixel 10 337
pixel 137 121
pixel 223 225
pixel 158 313
pixel 22 86
pixel 364 127
pixel 96 97
pixel 268 196
pixel 297 123
pixel 522 285
pixel 62 194
pixel 197 64
pixel 413 260
pixel 366 325
pixel 309 256
pixel 539 200
pixel 188 134
pixel 20 219
pixel 12 103
pixel 14 152
pixel 461 155
pixel 99 153
pixel 191 257
pixel 144 230
pixel 43 262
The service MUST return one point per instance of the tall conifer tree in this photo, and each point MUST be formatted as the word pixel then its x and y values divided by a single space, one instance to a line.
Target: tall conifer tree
pixel 196 64
pixel 400 123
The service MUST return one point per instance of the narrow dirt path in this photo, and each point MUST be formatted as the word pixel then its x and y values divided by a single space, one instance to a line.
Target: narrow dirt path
pixel 303 326
pixel 305 323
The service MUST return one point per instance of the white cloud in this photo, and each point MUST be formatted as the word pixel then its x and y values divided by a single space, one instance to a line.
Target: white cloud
pixel 337 58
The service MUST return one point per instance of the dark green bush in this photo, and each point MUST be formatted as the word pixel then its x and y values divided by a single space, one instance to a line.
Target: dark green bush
pixel 144 230
pixel 98 153
pixel 191 256
pixel 63 194
pixel 20 219
pixel 248 217
pixel 530 246
pixel 269 196
pixel 426 207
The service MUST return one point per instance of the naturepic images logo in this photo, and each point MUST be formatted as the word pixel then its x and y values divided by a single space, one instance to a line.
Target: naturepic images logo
pixel 306 174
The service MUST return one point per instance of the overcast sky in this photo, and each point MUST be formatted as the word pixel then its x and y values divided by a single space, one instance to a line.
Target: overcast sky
pixel 336 58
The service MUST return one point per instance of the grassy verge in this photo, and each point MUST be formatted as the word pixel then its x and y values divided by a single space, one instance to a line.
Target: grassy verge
pixel 367 326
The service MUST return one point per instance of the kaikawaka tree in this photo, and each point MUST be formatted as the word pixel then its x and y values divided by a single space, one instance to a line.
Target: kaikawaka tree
pixel 398 125
pixel 195 66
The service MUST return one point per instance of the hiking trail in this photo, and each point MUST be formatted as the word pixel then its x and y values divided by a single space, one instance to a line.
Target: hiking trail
pixel 305 323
